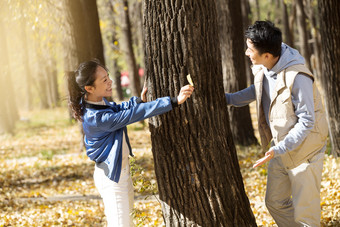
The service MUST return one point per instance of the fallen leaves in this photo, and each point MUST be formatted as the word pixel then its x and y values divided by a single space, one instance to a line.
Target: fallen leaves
pixel 45 181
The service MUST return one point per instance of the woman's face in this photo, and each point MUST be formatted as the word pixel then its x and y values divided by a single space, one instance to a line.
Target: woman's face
pixel 102 86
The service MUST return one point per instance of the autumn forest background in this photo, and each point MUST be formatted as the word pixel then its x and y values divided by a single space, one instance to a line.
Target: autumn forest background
pixel 192 166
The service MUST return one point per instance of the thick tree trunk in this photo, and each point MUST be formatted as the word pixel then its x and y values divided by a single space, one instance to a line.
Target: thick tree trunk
pixel 233 67
pixel 91 19
pixel 128 49
pixel 330 38
pixel 84 28
pixel 196 165
pixel 303 35
pixel 82 47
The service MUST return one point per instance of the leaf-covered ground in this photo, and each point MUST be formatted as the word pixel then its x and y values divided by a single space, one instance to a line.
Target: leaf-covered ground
pixel 46 181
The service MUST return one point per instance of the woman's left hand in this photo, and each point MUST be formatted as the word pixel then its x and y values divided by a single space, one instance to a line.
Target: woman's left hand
pixel 143 94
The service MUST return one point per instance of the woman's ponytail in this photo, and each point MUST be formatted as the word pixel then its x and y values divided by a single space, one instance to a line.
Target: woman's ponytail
pixel 75 96
pixel 85 75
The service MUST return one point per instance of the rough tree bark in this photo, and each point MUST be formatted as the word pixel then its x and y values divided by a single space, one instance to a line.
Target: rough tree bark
pixel 330 39
pixel 196 166
pixel 233 67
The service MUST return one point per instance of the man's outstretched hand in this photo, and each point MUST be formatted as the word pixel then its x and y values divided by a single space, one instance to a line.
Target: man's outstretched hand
pixel 269 155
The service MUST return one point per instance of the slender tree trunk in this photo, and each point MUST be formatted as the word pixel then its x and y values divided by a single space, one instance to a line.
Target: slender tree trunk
pixel 114 44
pixel 257 5
pixel 128 49
pixel 233 67
pixel 311 13
pixel 303 34
pixel 136 13
pixel 246 13
pixel 53 81
pixel 330 38
pixel 28 77
pixel 196 165
pixel 8 109
pixel 286 31
pixel 292 19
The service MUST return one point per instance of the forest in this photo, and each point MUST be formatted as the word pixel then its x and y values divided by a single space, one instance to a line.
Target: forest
pixel 192 166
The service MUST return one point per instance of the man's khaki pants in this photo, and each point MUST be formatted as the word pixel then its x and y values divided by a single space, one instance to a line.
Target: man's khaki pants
pixel 293 196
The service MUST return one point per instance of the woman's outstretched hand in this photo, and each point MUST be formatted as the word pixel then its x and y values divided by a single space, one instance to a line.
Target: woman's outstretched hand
pixel 184 94
pixel 143 94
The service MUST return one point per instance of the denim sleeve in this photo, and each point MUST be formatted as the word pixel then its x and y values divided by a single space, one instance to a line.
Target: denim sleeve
pixel 131 112
pixel 241 98
pixel 303 101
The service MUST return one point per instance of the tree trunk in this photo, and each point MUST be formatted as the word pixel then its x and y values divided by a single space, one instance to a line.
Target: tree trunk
pixel 197 170
pixel 136 13
pixel 113 43
pixel 8 109
pixel 303 35
pixel 286 31
pixel 311 13
pixel 54 83
pixel 28 77
pixel 128 49
pixel 84 28
pixel 292 19
pixel 246 14
pixel 257 5
pixel 233 67
pixel 93 29
pixel 330 38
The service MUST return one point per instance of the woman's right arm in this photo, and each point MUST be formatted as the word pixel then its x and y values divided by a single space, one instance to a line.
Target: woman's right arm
pixel 111 121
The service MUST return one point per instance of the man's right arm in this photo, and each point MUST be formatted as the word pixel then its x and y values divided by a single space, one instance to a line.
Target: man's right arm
pixel 241 98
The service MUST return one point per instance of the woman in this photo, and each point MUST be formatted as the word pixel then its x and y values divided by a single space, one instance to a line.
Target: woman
pixel 106 138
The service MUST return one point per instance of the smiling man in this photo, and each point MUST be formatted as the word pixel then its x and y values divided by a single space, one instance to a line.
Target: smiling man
pixel 292 119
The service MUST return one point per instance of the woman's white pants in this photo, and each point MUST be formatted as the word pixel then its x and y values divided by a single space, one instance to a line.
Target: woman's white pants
pixel 118 197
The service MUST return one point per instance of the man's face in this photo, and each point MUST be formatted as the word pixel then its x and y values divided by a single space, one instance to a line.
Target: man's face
pixel 254 55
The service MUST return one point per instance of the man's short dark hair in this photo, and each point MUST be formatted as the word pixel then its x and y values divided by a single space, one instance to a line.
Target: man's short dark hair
pixel 265 37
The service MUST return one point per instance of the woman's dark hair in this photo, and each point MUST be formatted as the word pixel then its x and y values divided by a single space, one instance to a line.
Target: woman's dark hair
pixel 265 37
pixel 85 75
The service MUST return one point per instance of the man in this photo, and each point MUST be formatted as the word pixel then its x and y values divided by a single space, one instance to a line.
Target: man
pixel 291 117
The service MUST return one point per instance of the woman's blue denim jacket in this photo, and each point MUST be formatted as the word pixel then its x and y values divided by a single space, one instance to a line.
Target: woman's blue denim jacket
pixel 104 126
